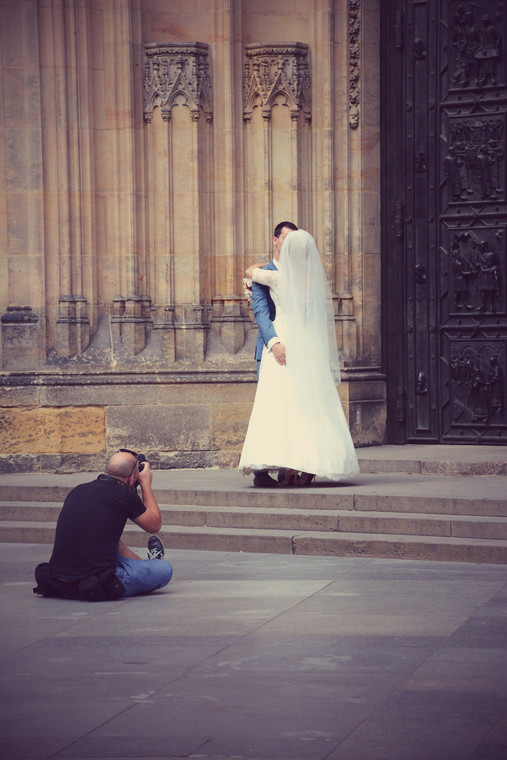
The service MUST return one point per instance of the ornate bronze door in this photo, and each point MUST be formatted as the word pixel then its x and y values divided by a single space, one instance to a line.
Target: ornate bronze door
pixel 444 137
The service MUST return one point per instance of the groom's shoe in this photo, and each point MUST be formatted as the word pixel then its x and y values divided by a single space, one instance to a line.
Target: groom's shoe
pixel 264 480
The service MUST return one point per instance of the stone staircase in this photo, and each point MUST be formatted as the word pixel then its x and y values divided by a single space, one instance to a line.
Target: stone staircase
pixel 439 508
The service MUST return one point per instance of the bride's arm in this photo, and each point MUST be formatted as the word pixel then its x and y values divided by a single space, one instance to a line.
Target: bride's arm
pixel 262 276
pixel 249 272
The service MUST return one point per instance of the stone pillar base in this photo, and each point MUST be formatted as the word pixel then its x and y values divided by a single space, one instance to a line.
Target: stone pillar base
pixel 21 338
pixel 130 324
pixel 72 327
pixel 230 323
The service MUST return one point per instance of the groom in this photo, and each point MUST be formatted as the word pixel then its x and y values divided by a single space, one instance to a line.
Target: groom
pixel 264 313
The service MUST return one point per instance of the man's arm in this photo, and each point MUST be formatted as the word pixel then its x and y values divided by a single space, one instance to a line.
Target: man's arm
pixel 151 520
pixel 266 327
pixel 261 312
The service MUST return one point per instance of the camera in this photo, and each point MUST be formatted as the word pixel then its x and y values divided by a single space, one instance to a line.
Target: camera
pixel 141 459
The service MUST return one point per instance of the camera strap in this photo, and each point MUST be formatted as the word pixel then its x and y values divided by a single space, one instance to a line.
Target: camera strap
pixel 105 476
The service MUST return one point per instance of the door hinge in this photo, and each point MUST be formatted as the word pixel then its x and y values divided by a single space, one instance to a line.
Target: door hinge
pixel 398 29
pixel 399 219
pixel 401 402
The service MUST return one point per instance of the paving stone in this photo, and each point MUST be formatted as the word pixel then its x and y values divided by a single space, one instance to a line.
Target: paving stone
pixel 260 656
pixel 494 745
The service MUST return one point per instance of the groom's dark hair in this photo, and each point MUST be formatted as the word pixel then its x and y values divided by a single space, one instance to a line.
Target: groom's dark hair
pixel 279 228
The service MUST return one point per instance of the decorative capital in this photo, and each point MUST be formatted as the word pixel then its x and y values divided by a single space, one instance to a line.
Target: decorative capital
pixel 354 62
pixel 173 69
pixel 277 69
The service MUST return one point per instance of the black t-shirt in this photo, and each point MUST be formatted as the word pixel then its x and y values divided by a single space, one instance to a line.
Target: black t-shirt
pixel 90 526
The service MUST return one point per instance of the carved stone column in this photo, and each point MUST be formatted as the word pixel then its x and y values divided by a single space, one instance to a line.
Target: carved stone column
pixel 131 319
pixel 277 112
pixel 22 265
pixel 327 217
pixel 179 151
pixel 68 204
pixel 352 266
pixel 230 319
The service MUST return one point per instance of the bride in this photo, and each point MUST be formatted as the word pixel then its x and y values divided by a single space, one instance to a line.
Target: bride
pixel 297 421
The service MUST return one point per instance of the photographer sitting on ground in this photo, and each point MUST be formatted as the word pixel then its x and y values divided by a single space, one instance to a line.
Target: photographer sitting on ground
pixel 89 560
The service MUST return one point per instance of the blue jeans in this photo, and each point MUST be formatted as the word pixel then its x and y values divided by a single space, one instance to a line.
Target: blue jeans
pixel 140 576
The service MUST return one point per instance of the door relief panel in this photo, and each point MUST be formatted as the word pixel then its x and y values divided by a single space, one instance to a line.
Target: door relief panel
pixel 473 220
pixel 445 216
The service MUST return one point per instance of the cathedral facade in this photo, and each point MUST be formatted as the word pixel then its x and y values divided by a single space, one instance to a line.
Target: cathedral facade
pixel 150 149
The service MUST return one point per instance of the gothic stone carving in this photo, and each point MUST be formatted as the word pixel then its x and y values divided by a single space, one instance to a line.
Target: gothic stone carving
pixel 271 70
pixel 354 62
pixel 173 69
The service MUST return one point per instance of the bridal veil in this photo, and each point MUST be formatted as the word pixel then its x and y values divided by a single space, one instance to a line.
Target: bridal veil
pixel 310 340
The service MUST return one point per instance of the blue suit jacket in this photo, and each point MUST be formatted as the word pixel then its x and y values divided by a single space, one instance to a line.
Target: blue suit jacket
pixel 264 312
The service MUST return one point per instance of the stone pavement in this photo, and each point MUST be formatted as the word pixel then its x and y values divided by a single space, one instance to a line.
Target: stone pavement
pixel 260 656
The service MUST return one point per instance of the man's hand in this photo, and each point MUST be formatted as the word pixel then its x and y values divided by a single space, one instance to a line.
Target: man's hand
pixel 145 476
pixel 151 520
pixel 278 351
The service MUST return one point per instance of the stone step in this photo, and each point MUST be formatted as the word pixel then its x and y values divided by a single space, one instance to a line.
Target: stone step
pixel 402 498
pixel 385 493
pixel 424 511
pixel 438 459
pixel 328 543
pixel 29 511
pixel 194 516
pixel 439 548
pixel 421 524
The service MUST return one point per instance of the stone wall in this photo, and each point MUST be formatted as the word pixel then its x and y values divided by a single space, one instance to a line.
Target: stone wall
pixel 148 151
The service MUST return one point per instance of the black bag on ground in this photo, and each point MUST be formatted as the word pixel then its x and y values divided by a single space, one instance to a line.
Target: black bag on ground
pixel 52 588
pixel 101 588
pixel 104 587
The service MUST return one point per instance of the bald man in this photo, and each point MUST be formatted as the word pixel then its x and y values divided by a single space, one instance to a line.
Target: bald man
pixel 89 560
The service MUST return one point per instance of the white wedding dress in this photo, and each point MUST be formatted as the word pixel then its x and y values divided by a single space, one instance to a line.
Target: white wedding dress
pixel 297 419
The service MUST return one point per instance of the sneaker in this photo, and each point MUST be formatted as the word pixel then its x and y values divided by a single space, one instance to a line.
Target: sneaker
pixel 155 548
